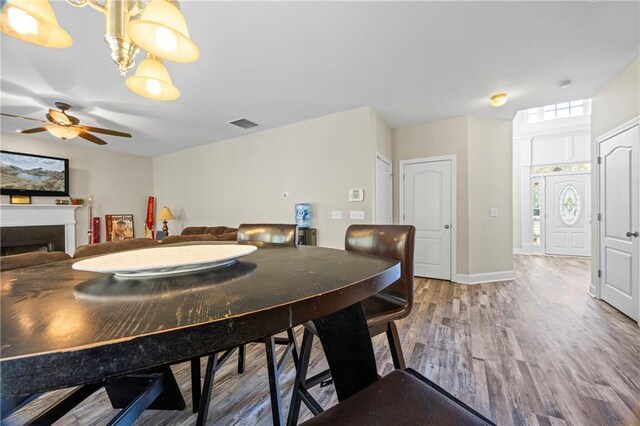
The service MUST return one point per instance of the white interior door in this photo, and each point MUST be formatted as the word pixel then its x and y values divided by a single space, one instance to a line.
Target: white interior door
pixel 427 197
pixel 384 206
pixel 567 207
pixel 619 226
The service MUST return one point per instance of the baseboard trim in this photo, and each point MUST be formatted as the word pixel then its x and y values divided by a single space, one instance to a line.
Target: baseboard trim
pixel 486 277
pixel 520 251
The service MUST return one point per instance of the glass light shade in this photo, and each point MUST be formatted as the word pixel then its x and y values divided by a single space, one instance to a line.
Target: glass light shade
pixel 62 132
pixel 33 21
pixel 165 214
pixel 499 99
pixel 162 31
pixel 152 81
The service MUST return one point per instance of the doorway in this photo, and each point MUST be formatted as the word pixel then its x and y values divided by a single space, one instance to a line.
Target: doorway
pixel 618 206
pixel 384 195
pixel 427 201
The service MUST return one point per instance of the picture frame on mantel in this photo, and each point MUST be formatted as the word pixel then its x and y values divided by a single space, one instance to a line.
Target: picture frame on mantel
pixel 119 227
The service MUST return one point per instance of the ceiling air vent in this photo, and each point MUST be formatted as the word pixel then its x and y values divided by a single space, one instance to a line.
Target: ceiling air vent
pixel 244 123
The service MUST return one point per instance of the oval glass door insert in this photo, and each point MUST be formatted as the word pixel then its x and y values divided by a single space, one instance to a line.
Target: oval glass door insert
pixel 570 205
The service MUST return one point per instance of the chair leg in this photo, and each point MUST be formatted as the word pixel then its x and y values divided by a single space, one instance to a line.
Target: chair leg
pixel 395 347
pixel 294 342
pixel 195 384
pixel 210 373
pixel 301 375
pixel 274 383
pixel 242 358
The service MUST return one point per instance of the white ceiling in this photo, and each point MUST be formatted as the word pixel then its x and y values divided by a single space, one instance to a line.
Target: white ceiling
pixel 279 63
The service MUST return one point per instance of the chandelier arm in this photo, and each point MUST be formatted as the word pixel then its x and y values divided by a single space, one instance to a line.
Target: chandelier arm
pixel 136 8
pixel 97 6
pixel 82 3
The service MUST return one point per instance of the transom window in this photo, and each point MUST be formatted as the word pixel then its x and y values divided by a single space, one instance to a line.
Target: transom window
pixel 561 168
pixel 557 111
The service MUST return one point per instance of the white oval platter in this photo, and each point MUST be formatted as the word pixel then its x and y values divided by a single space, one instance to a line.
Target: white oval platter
pixel 159 261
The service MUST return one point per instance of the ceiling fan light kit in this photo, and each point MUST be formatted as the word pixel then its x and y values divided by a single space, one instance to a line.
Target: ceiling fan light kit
pixel 33 21
pixel 156 26
pixel 62 132
pixel 65 126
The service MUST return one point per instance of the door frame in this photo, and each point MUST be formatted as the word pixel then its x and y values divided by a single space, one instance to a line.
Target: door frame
pixel 377 157
pixel 598 208
pixel 454 212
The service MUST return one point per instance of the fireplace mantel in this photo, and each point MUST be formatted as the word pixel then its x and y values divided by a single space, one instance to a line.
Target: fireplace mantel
pixel 42 215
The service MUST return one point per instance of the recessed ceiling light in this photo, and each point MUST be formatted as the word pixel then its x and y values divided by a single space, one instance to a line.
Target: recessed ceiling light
pixel 499 99
pixel 563 84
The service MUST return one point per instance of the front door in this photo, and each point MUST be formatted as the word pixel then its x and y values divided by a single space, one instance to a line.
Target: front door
pixel 619 241
pixel 427 193
pixel 568 206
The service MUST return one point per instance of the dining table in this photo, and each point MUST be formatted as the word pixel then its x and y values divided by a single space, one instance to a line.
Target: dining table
pixel 62 327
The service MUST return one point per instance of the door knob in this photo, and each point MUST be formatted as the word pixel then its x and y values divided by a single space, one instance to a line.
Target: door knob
pixel 446 227
pixel 632 234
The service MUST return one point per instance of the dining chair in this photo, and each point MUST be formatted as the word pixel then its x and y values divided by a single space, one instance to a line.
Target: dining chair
pixel 258 233
pixel 24 260
pixel 381 310
pixel 401 398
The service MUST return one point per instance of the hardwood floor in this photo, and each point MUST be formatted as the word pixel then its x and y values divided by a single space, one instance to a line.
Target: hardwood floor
pixel 535 351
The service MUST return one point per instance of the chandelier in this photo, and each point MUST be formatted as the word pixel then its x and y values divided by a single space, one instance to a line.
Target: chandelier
pixel 156 26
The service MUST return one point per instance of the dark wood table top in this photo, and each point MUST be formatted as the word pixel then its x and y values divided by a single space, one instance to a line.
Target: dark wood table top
pixel 62 327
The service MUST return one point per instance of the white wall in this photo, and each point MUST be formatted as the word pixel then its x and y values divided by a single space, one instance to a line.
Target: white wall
pixel 119 183
pixel 615 104
pixel 243 179
pixel 490 181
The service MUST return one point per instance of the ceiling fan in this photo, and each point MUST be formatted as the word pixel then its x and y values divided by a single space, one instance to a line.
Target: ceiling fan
pixel 65 126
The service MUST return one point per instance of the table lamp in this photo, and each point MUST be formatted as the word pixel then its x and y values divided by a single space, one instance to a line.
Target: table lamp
pixel 164 216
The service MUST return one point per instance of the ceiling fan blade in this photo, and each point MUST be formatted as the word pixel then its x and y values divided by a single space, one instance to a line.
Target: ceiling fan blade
pixel 19 116
pixel 105 131
pixel 59 117
pixel 34 130
pixel 92 138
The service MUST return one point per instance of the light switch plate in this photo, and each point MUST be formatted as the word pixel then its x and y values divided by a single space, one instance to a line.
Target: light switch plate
pixel 494 212
pixel 336 214
pixel 356 214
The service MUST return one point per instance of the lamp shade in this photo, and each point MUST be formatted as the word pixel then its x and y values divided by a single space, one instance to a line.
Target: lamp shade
pixel 62 132
pixel 33 21
pixel 162 31
pixel 152 81
pixel 165 214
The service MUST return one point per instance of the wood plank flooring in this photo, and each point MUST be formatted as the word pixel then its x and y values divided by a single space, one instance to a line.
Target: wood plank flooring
pixel 534 351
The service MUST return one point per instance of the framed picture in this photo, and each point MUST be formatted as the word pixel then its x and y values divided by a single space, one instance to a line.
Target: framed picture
pixel 119 226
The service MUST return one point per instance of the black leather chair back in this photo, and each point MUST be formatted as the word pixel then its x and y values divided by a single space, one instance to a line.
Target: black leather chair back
pixel 391 241
pixel 274 233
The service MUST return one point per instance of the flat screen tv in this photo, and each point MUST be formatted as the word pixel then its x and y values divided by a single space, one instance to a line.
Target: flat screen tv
pixel 30 174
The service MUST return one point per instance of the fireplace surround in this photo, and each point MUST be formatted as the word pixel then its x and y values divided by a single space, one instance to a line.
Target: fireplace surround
pixel 47 220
